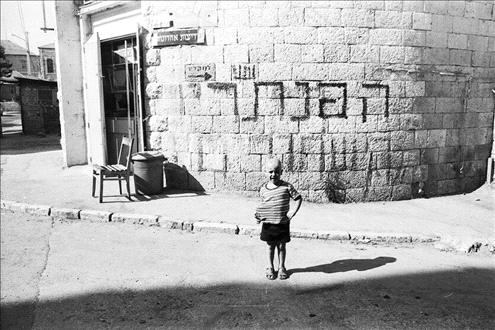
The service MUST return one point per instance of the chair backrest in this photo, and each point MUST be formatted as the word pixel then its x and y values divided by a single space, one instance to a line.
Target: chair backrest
pixel 125 152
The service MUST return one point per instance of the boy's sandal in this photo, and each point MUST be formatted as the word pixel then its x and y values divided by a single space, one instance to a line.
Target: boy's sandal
pixel 282 274
pixel 270 274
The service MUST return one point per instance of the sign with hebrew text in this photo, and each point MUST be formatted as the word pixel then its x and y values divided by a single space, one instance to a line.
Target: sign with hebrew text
pixel 168 37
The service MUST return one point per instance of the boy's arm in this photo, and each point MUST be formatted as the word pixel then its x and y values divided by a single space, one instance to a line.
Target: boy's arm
pixel 291 214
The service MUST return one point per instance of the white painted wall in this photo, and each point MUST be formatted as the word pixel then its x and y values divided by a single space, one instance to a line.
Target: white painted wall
pixel 70 89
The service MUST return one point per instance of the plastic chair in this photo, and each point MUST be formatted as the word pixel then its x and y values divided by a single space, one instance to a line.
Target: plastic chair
pixel 119 172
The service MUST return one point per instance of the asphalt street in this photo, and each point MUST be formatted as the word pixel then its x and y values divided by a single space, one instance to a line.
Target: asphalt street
pixel 60 274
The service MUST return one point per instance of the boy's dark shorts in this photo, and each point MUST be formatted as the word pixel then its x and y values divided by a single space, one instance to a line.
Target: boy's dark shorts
pixel 279 233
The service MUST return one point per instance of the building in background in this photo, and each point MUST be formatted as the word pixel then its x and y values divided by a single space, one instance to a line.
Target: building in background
pixel 361 100
pixel 48 66
pixel 17 55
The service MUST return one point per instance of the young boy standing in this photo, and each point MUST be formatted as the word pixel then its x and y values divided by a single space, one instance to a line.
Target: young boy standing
pixel 274 212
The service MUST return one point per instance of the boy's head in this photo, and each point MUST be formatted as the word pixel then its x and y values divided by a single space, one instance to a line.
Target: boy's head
pixel 274 170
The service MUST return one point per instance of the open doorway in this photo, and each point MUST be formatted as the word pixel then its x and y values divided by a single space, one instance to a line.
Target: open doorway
pixel 120 87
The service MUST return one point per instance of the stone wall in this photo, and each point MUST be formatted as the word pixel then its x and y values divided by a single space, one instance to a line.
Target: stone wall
pixel 362 101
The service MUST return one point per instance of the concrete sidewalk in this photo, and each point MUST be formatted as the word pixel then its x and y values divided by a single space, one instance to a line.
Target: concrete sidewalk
pixel 34 181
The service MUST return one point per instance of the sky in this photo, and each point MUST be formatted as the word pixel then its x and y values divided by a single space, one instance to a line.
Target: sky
pixel 32 12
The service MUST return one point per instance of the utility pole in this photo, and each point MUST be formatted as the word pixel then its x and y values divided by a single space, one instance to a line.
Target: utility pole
pixel 44 28
pixel 28 54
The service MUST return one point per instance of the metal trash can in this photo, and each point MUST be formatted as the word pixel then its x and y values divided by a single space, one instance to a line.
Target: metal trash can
pixel 148 172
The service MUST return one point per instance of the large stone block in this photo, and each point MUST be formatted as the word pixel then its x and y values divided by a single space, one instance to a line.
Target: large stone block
pixel 358 161
pixel 436 138
pixel 255 180
pixel 443 23
pixel 356 36
pixel 202 124
pixel 225 124
pixel 421 21
pixel 300 35
pixel 457 41
pixel 389 37
pixel 307 143
pixel 335 53
pixel 235 17
pixel 388 159
pixel 158 123
pixel 171 73
pixel 295 162
pixel 464 25
pixel 391 54
pixel 154 90
pixel 436 39
pixel 393 19
pixel 274 72
pixel 429 156
pixel 313 180
pixel 282 143
pixel 364 54
pixel 290 16
pixel 263 17
pixel 460 57
pixel 310 71
pixel 351 71
pixel 236 54
pixel 214 162
pixel 322 17
pixel 260 144
pixel 414 38
pixel 378 142
pixel 259 53
pixel 436 56
pixel 166 107
pixel 411 157
pixel 226 36
pixel 312 124
pixel 280 124
pixel 357 18
pixel 401 140
pixel 230 181
pixel 288 53
pixel 312 53
pixel 316 162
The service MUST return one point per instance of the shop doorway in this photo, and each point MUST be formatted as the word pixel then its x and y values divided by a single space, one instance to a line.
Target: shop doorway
pixel 121 93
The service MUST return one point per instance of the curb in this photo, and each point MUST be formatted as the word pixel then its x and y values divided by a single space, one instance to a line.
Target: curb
pixel 233 229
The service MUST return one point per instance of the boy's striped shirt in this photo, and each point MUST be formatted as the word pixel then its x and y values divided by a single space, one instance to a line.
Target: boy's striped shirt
pixel 275 203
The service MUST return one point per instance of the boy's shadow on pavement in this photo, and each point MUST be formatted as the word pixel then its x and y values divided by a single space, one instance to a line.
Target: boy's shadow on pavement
pixel 345 265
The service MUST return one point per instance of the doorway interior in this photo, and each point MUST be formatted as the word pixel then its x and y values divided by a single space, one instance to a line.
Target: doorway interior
pixel 120 67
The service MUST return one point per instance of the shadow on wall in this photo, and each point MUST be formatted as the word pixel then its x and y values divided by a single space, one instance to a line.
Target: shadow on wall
pixel 179 177
pixel 453 299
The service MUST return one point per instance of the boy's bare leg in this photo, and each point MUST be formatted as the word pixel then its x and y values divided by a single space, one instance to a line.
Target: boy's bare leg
pixel 282 252
pixel 271 255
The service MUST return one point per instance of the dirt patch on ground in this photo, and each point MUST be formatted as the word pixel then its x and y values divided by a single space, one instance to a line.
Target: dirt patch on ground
pixel 14 144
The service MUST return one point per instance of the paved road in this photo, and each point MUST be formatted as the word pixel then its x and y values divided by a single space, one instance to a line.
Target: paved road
pixel 75 275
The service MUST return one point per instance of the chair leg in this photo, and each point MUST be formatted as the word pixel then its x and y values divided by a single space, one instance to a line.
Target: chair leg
pixel 120 183
pixel 101 188
pixel 128 187
pixel 94 185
